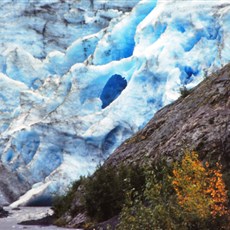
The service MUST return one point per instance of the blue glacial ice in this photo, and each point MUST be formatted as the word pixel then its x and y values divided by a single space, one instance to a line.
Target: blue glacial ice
pixel 66 105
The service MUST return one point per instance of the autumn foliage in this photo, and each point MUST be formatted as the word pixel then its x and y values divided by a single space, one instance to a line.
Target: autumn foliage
pixel 217 191
pixel 200 189
pixel 185 195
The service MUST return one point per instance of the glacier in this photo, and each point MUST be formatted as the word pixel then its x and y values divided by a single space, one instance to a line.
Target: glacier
pixel 99 72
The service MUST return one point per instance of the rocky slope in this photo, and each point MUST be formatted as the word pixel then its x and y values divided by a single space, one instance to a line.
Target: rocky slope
pixel 11 186
pixel 198 121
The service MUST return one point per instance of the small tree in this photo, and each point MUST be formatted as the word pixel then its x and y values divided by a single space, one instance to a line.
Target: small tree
pixel 184 91
pixel 156 207
pixel 217 191
pixel 200 190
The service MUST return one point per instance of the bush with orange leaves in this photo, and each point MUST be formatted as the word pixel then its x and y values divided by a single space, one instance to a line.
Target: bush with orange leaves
pixel 200 189
pixel 186 195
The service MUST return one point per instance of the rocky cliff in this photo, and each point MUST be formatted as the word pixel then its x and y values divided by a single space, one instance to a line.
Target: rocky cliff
pixel 11 187
pixel 198 120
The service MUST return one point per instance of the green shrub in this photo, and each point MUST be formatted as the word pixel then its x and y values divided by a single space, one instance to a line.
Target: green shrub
pixel 184 92
pixel 63 203
pixel 156 207
pixel 103 193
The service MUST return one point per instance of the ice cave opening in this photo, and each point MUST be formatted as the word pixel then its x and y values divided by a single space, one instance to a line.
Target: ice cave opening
pixel 112 89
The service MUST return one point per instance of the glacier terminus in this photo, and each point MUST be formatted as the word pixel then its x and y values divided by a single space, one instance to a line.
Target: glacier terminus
pixel 77 78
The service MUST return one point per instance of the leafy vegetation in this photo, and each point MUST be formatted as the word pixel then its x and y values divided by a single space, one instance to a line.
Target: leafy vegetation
pixel 187 194
pixel 102 195
pixel 104 192
pixel 156 207
pixel 184 92
pixel 200 190
pixel 64 203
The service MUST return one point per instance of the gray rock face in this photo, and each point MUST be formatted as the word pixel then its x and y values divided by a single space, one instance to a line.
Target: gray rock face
pixel 11 187
pixel 3 213
pixel 199 121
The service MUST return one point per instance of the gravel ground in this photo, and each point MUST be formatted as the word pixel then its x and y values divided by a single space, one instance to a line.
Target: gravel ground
pixel 26 214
